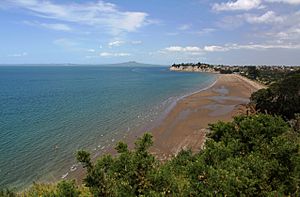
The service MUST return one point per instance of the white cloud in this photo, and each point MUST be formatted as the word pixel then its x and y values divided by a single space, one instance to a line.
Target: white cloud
pixel 116 43
pixel 193 50
pixel 268 17
pixel 283 28
pixel 183 49
pixel 277 22
pixel 288 34
pixel 228 47
pixel 97 14
pixel 18 54
pixel 185 27
pixel 237 5
pixel 248 4
pixel 53 26
pixel 57 26
pixel 108 54
pixel 293 2
pixel 214 48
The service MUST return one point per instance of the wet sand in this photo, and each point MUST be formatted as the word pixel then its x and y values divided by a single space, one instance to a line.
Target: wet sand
pixel 186 124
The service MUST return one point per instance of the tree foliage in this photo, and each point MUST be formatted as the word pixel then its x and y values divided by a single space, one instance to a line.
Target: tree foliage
pixel 253 155
pixel 281 98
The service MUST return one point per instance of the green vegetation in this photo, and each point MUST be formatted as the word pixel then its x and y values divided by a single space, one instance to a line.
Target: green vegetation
pixel 266 74
pixel 199 64
pixel 256 155
pixel 281 98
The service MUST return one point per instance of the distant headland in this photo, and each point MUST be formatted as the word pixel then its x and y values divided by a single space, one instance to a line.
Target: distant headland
pixel 262 73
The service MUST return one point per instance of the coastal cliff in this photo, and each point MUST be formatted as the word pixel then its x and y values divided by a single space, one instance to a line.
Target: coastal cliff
pixel 194 69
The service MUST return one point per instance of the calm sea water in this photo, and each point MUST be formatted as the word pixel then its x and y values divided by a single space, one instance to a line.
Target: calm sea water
pixel 49 112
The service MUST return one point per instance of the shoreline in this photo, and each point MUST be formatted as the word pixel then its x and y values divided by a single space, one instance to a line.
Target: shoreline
pixel 131 136
pixel 160 118
pixel 185 126
pixel 169 140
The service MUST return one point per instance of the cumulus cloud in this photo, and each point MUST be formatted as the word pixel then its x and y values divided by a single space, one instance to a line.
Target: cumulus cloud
pixel 108 54
pixel 237 5
pixel 214 48
pixel 282 28
pixel 96 14
pixel 268 17
pixel 286 35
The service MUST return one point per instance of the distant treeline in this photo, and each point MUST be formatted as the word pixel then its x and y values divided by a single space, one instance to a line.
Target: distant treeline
pixel 263 74
pixel 199 64
pixel 254 155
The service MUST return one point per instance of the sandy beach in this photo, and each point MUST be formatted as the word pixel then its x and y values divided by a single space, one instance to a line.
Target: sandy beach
pixel 186 124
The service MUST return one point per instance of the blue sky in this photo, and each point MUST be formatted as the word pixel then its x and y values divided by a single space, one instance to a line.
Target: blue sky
pixel 155 31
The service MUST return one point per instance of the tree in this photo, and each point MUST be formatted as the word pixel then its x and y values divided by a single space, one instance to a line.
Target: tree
pixel 281 98
pixel 252 72
pixel 128 174
pixel 67 189
pixel 254 155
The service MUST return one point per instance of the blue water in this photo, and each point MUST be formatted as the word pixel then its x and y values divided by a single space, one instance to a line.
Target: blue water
pixel 49 112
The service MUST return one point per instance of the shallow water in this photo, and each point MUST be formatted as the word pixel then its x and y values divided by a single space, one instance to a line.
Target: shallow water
pixel 49 112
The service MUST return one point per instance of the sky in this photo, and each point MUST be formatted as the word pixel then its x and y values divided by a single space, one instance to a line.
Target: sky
pixel 235 32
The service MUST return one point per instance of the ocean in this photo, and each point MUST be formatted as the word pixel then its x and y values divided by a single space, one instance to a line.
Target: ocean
pixel 47 113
